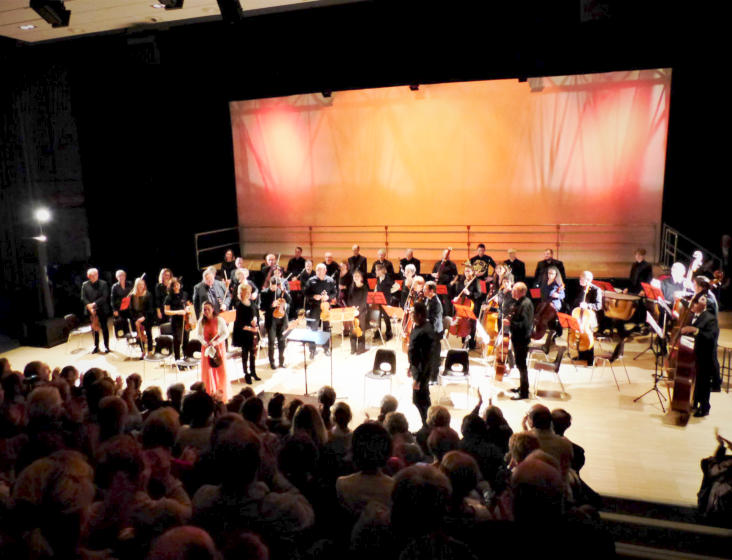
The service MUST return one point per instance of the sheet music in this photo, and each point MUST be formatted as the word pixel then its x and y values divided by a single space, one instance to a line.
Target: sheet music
pixel 651 321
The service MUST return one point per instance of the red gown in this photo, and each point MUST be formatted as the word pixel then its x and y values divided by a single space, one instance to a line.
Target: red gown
pixel 214 379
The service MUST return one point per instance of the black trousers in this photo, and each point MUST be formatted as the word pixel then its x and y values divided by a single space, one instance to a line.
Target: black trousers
pixel 180 337
pixel 275 334
pixel 520 352
pixel 103 320
pixel 147 327
pixel 317 325
pixel 358 343
pixel 421 399
pixel 387 320
pixel 248 355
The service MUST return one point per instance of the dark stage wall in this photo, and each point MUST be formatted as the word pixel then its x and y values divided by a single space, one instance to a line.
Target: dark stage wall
pixel 148 124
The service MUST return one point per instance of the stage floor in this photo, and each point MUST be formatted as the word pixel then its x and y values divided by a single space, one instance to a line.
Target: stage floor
pixel 633 449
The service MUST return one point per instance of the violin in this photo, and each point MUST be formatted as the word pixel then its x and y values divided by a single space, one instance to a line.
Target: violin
pixel 357 331
pixel 324 307
pixel 281 308
pixel 189 319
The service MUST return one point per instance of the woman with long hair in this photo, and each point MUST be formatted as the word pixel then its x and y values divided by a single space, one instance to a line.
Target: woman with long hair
pixel 161 292
pixel 212 332
pixel 553 290
pixel 143 314
pixel 246 325
pixel 174 307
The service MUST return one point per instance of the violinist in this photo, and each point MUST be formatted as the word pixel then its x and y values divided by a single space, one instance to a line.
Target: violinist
pixel 239 277
pixel 674 286
pixel 174 306
pixel 210 289
pixel 245 332
pixel 588 298
pixel 521 324
pixel 356 296
pixel 435 318
pixel 543 265
pixel 504 297
pixel 408 273
pixel 120 290
pixel 296 264
pixel 332 268
pixel 705 330
pixel 468 290
pixel 517 267
pixel 381 261
pixel 357 261
pixel 444 272
pixel 267 269
pixel 161 292
pixel 307 273
pixel 142 311
pixel 320 288
pixel 228 267
pixel 553 290
pixel 384 284
pixel 406 261
pixel 274 302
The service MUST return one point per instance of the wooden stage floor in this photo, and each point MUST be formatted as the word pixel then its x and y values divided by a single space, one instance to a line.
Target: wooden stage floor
pixel 633 449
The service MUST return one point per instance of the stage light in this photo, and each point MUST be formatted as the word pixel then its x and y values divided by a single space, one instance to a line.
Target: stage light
pixel 231 10
pixel 42 238
pixel 414 87
pixel 53 11
pixel 42 215
pixel 172 4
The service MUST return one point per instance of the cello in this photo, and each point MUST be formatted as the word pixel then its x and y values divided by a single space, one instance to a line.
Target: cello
pixel 681 362
pixel 583 340
pixel 460 326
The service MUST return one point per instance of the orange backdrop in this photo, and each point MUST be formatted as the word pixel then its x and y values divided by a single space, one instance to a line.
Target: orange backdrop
pixel 585 149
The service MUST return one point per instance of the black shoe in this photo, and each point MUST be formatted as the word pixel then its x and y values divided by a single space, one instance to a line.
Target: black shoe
pixel 519 397
pixel 256 377
pixel 388 337
pixel 272 365
pixel 327 352
pixel 106 351
pixel 248 379
pixel 96 350
pixel 282 365
pixel 515 389
pixel 701 413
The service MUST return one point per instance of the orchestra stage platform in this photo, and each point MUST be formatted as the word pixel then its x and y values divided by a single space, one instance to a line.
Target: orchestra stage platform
pixel 633 449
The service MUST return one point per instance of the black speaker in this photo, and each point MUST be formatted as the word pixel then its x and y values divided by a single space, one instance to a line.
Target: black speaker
pixel 46 333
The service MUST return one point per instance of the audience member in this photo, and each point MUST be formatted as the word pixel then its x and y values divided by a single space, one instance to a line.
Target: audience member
pixel 388 404
pixel 326 399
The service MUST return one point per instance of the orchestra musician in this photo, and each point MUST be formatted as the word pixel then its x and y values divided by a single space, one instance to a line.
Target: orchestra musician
pixel 675 285
pixel 421 359
pixel 296 264
pixel 344 282
pixel 703 286
pixel 434 311
pixel 553 290
pixel 332 268
pixel 589 297
pixel 210 289
pixel 521 324
pixel 469 285
pixel 306 274
pixel 246 326
pixel 517 267
pixel 212 332
pixel 543 265
pixel 641 271
pixel 267 270
pixel 318 289
pixel 240 276
pixel 357 296
pixel 174 307
pixel 381 260
pixel 357 261
pixel 407 260
pixel 95 297
pixel 705 330
pixel 482 271
pixel 161 292
pixel 444 272
pixel 409 273
pixel 142 311
pixel 384 284
pixel 228 267
pixel 274 297
pixel 504 297
pixel 120 290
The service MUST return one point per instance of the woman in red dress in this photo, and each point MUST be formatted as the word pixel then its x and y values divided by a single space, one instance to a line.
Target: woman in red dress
pixel 212 333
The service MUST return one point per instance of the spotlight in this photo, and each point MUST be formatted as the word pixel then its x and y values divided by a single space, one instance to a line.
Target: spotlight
pixel 42 238
pixel 231 10
pixel 53 11
pixel 172 4
pixel 42 215
pixel 414 87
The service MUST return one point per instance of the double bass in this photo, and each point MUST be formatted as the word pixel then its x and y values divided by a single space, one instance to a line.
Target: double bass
pixel 460 326
pixel 681 362
pixel 407 321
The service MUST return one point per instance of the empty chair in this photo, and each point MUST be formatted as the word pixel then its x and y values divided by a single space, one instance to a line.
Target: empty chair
pixel 383 369
pixel 76 330
pixel 374 322
pixel 546 346
pixel 456 370
pixel 610 358
pixel 446 321
pixel 553 366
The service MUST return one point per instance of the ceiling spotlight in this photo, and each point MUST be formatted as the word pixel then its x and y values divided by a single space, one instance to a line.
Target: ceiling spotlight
pixel 42 238
pixel 171 4
pixel 53 11
pixel 414 87
pixel 231 10
pixel 42 215
pixel 27 27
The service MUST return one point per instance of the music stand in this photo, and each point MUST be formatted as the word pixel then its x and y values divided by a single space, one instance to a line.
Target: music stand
pixel 307 336
pixel 295 285
pixel 568 322
pixel 654 294
pixel 371 283
pixel 660 333
pixel 441 290
pixel 535 293
pixel 375 298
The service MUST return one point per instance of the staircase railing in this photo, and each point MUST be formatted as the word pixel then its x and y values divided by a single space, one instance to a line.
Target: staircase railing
pixel 677 247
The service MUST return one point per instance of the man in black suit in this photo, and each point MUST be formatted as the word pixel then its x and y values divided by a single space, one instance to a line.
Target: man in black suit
pixel 435 318
pixel 521 324
pixel 384 284
pixel 444 272
pixel 705 330
pixel 381 260
pixel 120 290
pixel 641 271
pixel 543 265
pixel 407 260
pixel 95 297
pixel 296 264
pixel 319 288
pixel 332 268
pixel 357 261
pixel 275 326
pixel 420 353
pixel 518 268
pixel 210 289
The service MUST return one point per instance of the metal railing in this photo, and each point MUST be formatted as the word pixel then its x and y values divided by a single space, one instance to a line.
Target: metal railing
pixel 578 245
pixel 677 247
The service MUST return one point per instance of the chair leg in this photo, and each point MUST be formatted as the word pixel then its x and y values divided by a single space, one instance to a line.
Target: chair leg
pixel 556 374
pixel 625 368
pixel 612 370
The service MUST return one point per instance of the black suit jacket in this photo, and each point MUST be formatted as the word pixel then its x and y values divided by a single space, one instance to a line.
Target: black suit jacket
pixel 200 295
pixel 541 268
pixel 421 348
pixel 705 342
pixel 404 262
pixel 434 314
pixel 640 272
pixel 522 321
pixel 96 293
pixel 518 269
pixel 387 265
pixel 358 263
